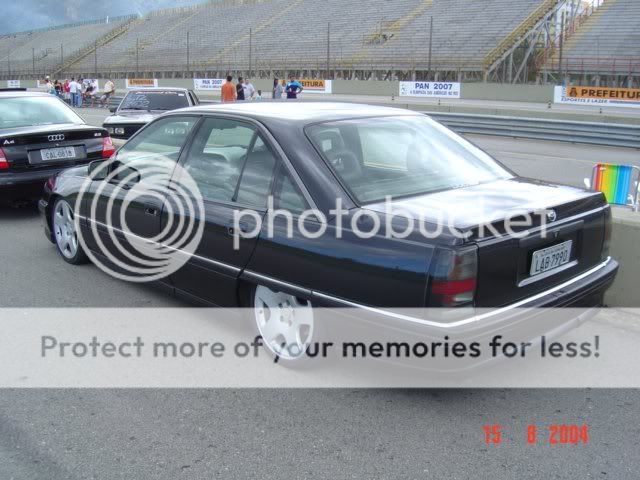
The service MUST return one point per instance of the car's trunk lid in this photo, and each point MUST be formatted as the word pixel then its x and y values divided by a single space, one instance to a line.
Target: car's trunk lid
pixel 492 216
pixel 23 147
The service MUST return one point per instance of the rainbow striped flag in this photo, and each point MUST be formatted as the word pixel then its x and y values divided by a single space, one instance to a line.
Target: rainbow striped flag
pixel 614 181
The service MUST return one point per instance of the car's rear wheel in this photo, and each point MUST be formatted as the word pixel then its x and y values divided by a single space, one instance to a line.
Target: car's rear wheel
pixel 285 322
pixel 66 236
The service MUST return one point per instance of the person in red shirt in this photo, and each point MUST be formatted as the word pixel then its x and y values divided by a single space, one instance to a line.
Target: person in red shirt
pixel 66 91
pixel 228 93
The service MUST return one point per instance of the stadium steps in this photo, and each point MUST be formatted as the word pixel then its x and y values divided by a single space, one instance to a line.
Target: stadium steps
pixel 391 29
pixel 518 32
pixel 583 30
pixel 244 39
pixel 100 42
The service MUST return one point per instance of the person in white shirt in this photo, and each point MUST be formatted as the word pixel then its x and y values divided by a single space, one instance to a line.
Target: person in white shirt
pixel 74 90
pixel 249 91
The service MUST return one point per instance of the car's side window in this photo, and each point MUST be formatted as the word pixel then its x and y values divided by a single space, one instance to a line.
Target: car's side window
pixel 286 195
pixel 217 156
pixel 257 176
pixel 156 146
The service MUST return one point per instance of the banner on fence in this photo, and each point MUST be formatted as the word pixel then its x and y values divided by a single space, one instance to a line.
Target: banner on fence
pixel 141 82
pixel 316 86
pixel 208 84
pixel 603 96
pixel 430 89
pixel 13 83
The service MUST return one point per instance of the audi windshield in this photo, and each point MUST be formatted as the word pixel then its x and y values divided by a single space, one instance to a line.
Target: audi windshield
pixel 18 112
pixel 401 156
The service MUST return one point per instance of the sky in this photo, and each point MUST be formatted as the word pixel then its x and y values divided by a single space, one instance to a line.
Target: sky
pixel 24 15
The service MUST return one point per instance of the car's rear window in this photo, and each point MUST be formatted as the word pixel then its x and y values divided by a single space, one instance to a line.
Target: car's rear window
pixel 160 100
pixel 401 156
pixel 18 112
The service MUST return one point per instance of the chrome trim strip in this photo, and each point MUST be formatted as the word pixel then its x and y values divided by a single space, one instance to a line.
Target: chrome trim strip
pixel 253 275
pixel 129 234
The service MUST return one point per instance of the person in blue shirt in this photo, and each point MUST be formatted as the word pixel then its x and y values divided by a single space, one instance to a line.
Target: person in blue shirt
pixel 293 88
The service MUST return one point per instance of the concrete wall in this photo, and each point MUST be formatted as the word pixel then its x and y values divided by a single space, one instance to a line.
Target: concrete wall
pixel 625 248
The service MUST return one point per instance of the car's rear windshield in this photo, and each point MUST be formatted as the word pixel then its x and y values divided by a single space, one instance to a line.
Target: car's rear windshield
pixel 162 100
pixel 401 156
pixel 18 112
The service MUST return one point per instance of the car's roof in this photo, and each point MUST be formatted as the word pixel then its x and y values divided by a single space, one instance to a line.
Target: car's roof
pixel 306 112
pixel 158 89
pixel 19 93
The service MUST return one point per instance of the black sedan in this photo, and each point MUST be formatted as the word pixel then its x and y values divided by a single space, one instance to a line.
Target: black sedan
pixel 39 136
pixel 140 106
pixel 330 204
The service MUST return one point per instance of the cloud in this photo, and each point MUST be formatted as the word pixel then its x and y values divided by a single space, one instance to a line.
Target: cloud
pixel 32 14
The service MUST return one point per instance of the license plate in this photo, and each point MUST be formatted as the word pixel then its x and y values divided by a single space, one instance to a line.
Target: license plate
pixel 61 153
pixel 550 258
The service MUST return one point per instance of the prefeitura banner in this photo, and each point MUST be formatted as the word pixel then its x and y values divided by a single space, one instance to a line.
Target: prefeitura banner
pixel 430 89
pixel 141 82
pixel 614 97
pixel 316 86
pixel 363 348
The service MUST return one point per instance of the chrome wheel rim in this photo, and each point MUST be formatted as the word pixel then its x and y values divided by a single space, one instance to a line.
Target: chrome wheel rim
pixel 284 321
pixel 64 229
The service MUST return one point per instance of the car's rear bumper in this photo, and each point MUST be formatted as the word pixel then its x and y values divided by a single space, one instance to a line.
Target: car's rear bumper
pixel 43 206
pixel 581 292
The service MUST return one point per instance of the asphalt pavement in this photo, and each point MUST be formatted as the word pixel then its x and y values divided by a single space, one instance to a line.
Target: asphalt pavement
pixel 240 434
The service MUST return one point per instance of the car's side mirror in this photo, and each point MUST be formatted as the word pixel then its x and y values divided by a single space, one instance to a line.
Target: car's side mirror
pixel 98 170
pixel 113 109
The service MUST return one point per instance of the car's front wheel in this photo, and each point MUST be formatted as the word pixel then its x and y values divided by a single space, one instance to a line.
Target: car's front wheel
pixel 285 323
pixel 66 236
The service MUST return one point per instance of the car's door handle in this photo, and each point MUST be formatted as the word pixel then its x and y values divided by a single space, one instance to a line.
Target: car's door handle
pixel 231 228
pixel 151 210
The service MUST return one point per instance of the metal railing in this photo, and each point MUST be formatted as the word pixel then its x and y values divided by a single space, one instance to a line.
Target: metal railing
pixel 608 134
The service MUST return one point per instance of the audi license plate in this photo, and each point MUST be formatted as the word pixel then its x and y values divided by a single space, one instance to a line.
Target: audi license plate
pixel 550 258
pixel 52 154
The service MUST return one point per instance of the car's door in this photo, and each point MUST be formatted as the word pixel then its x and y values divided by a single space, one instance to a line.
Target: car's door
pixel 233 167
pixel 128 203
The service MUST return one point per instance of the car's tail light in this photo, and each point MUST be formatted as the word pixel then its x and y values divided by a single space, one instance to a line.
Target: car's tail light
pixel 4 164
pixel 107 147
pixel 453 278
pixel 608 228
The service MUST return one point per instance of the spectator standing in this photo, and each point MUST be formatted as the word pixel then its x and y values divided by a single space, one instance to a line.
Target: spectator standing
pixel 58 88
pixel 249 90
pixel 74 88
pixel 278 89
pixel 65 90
pixel 259 96
pixel 49 86
pixel 109 90
pixel 293 88
pixel 228 92
pixel 82 88
pixel 240 89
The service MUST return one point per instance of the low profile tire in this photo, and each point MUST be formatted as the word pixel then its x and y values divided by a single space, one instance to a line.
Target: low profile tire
pixel 286 324
pixel 65 234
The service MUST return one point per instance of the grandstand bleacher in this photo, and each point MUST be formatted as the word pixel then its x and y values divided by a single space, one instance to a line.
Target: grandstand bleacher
pixel 380 39
pixel 607 42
